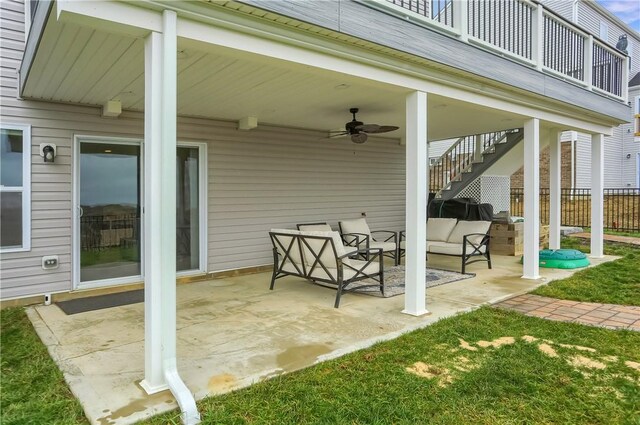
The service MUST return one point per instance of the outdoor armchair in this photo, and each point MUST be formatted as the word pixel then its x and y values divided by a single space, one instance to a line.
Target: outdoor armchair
pixel 386 240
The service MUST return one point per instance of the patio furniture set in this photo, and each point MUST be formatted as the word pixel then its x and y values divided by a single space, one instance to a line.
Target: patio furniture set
pixel 316 252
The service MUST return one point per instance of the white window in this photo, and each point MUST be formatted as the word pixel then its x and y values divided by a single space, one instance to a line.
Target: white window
pixel 604 31
pixel 15 188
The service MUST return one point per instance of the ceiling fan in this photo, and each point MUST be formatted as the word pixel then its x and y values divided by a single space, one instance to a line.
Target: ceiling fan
pixel 359 130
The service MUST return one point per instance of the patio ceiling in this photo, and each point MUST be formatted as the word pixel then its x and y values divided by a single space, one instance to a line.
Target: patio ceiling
pixel 80 65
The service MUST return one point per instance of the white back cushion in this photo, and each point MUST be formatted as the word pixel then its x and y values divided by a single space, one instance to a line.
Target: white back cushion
pixel 283 242
pixel 467 227
pixel 439 229
pixel 359 225
pixel 314 248
pixel 320 227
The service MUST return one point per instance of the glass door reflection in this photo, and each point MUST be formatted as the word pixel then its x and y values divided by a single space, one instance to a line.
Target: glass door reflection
pixel 109 185
pixel 187 209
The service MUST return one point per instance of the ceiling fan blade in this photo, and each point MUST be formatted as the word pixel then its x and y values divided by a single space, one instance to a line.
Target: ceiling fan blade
pixel 368 128
pixel 336 134
pixel 382 129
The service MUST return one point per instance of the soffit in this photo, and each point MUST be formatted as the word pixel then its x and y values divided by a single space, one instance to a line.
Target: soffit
pixel 80 65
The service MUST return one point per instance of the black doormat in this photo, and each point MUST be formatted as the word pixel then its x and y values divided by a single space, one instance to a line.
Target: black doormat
pixel 82 305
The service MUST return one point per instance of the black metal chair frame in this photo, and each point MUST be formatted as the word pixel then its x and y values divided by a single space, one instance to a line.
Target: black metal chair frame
pixel 393 237
pixel 465 257
pixel 282 253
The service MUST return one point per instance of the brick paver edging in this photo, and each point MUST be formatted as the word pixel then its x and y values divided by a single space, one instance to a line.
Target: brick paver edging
pixel 610 316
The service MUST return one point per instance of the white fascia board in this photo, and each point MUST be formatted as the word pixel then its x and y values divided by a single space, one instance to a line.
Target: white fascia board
pixel 111 16
pixel 252 36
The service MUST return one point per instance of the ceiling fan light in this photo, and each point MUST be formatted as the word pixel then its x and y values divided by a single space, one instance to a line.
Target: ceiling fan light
pixel 359 138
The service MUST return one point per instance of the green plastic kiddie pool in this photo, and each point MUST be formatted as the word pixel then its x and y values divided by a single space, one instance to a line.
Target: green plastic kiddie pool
pixel 563 259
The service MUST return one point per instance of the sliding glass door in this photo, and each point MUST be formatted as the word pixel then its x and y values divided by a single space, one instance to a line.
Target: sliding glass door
pixel 109 240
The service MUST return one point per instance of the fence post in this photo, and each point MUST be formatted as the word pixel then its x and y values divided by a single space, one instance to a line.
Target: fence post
pixel 625 79
pixel 537 37
pixel 588 62
pixel 460 18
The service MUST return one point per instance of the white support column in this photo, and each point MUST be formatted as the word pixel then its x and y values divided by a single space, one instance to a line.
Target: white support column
pixel 597 195
pixel 555 188
pixel 531 268
pixel 477 152
pixel 416 204
pixel 160 218
pixel 154 376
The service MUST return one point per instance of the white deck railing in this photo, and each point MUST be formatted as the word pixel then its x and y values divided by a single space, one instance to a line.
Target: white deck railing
pixel 525 31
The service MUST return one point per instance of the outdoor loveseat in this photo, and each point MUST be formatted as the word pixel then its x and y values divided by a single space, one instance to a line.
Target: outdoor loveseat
pixel 322 258
pixel 464 239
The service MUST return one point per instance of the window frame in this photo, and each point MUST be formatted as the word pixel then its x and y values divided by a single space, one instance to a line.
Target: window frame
pixel 25 189
pixel 604 31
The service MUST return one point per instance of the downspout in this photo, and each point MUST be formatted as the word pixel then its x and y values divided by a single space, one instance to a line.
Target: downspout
pixel 574 11
pixel 184 397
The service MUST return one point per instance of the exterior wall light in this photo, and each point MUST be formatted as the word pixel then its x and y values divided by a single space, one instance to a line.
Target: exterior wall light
pixel 48 151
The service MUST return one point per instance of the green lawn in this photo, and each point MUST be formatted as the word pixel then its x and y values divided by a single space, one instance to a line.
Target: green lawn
pixel 515 383
pixel 110 254
pixel 32 387
pixel 616 282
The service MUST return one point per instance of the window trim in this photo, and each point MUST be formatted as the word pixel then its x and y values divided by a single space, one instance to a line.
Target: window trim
pixel 25 189
pixel 604 31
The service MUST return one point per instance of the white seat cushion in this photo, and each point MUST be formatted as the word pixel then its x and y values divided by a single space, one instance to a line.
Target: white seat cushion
pixel 468 227
pixel 385 246
pixel 450 248
pixel 439 229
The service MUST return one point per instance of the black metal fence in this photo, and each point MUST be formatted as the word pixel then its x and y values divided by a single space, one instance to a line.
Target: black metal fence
pixel 621 207
pixel 104 231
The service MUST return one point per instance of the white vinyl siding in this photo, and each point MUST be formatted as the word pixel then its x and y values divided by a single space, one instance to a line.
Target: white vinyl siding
pixel 563 8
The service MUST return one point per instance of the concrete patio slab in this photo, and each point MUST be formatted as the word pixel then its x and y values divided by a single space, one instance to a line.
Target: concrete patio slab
pixel 233 332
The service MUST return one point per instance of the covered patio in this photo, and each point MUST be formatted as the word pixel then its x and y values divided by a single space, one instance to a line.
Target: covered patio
pixel 233 332
pixel 173 71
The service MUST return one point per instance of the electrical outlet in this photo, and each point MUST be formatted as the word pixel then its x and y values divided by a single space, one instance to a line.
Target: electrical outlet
pixel 50 262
